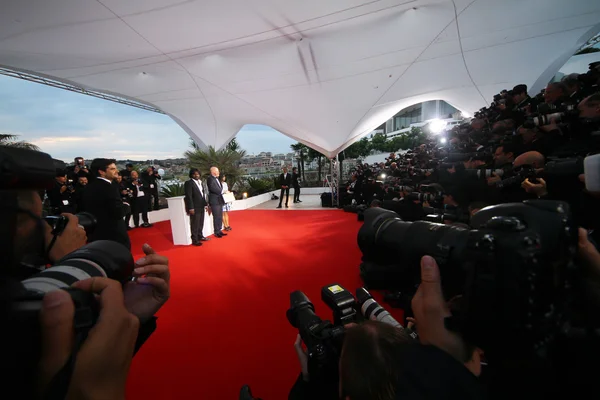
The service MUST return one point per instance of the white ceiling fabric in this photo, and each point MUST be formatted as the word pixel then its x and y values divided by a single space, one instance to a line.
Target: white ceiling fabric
pixel 324 72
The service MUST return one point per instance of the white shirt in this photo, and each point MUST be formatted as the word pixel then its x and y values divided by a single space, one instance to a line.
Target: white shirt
pixel 104 179
pixel 199 184
pixel 225 187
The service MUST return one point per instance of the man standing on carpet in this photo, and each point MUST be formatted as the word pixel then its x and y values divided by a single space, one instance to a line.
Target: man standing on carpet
pixel 285 180
pixel 103 200
pixel 296 184
pixel 215 200
pixel 195 205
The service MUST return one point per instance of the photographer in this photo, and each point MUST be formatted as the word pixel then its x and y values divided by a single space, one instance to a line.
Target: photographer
pixel 60 196
pixel 78 166
pixel 143 297
pixel 126 190
pixel 140 193
pixel 150 182
pixel 380 361
pixel 32 245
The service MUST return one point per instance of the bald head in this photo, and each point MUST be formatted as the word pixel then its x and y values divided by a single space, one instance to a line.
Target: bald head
pixel 214 171
pixel 532 158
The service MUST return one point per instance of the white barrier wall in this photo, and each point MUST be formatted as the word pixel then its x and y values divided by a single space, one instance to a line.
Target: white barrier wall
pixel 176 211
pixel 180 221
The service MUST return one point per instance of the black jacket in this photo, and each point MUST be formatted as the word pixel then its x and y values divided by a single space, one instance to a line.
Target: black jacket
pixel 285 181
pixel 296 180
pixel 103 200
pixel 215 190
pixel 194 200
pixel 60 202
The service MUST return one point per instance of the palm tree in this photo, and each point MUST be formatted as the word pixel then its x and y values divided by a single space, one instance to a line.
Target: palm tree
pixel 11 141
pixel 302 151
pixel 228 162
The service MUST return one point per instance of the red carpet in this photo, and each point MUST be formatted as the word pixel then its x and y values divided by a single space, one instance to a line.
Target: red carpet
pixel 225 323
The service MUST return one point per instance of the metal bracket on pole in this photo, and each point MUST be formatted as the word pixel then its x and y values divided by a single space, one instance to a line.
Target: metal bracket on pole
pixel 334 181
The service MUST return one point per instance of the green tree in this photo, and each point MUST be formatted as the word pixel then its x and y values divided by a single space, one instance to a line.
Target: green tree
pixel 379 142
pixel 11 141
pixel 302 151
pixel 226 160
pixel 233 145
pixel 312 155
pixel 359 149
pixel 194 145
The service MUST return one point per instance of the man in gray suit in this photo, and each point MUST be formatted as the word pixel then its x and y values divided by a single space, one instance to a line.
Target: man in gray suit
pixel 195 205
pixel 215 199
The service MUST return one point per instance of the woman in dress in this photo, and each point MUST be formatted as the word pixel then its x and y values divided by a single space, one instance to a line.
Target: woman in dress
pixel 226 206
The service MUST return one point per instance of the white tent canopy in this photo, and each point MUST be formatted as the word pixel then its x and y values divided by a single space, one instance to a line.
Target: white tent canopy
pixel 324 72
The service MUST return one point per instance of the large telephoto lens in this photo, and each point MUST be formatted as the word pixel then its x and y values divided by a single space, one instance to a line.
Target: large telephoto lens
pixel 386 240
pixel 103 258
pixel 301 315
pixel 370 309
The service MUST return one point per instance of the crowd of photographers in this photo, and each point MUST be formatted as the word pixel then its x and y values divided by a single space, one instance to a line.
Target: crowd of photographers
pixel 139 191
pixel 508 205
pixel 519 148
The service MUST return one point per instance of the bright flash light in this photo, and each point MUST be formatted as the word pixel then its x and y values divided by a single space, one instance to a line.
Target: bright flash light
pixel 437 125
pixel 443 140
pixel 383 176
pixel 466 114
pixel 245 195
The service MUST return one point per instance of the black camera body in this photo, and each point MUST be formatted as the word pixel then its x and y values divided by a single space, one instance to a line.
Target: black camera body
pixel 323 339
pixel 58 223
pixel 519 174
pixel 513 270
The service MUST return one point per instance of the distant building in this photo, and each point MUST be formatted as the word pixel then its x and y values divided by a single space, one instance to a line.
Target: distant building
pixel 265 164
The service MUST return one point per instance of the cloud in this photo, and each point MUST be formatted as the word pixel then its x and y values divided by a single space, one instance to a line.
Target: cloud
pixel 68 125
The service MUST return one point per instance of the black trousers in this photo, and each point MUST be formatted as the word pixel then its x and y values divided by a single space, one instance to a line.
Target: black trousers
pixel 140 205
pixel 296 193
pixel 197 224
pixel 127 209
pixel 154 194
pixel 287 196
pixel 217 213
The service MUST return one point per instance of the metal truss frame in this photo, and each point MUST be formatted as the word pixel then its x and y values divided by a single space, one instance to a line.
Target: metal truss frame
pixel 334 182
pixel 77 89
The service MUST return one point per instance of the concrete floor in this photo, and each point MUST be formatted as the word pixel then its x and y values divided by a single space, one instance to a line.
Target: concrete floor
pixel 309 202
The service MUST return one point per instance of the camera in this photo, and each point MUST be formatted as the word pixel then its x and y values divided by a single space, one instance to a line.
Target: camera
pixel 324 339
pixel 520 174
pixel 29 170
pixel 513 271
pixel 58 223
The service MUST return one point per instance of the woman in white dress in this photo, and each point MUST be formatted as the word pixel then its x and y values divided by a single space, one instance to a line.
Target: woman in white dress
pixel 226 206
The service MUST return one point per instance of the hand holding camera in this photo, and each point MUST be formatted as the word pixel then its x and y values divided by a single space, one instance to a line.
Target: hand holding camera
pixel 71 238
pixel 431 310
pixel 95 375
pixel 147 294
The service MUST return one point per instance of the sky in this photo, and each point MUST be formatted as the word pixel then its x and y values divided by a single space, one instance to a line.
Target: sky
pixel 67 125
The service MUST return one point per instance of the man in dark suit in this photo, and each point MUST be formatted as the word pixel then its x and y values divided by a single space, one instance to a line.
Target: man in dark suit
pixel 296 184
pixel 102 199
pixel 285 180
pixel 140 202
pixel 195 205
pixel 215 199
pixel 150 179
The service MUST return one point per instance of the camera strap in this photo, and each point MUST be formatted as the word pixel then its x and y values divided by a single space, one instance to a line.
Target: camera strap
pixel 49 248
pixel 59 385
